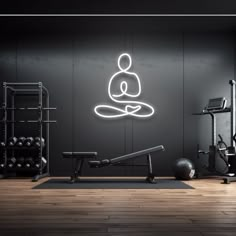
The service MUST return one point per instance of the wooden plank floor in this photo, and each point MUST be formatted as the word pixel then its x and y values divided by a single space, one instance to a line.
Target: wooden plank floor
pixel 207 210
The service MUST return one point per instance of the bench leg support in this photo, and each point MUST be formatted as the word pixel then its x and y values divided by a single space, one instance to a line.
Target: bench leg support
pixel 77 171
pixel 150 177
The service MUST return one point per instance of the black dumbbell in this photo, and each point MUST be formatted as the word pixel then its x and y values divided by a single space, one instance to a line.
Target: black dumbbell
pixel 29 162
pixel 11 162
pixel 12 141
pixel 20 141
pixel 38 163
pixel 20 162
pixel 38 143
pixel 2 163
pixel 29 141
pixel 2 144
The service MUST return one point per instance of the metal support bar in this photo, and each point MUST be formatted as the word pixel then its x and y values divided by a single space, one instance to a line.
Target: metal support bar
pixel 123 164
pixel 212 158
pixel 26 90
pixel 213 128
pixel 47 130
pixel 28 108
pixel 150 177
pixel 5 121
pixel 40 126
pixel 29 121
pixel 12 116
pixel 23 84
pixel 232 131
pixel 149 159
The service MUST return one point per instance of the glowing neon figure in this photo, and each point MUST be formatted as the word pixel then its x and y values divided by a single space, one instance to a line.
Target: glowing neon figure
pixel 134 107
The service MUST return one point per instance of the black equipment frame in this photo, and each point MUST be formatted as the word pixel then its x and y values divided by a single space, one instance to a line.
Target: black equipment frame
pixel 12 90
pixel 231 154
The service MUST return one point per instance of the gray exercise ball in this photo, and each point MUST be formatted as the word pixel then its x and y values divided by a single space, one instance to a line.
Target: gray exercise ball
pixel 183 169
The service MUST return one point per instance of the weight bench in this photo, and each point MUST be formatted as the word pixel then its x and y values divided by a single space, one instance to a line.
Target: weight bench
pixel 79 157
pixel 117 161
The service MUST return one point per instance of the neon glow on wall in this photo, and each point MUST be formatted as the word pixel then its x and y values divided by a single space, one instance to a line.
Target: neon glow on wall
pixel 124 108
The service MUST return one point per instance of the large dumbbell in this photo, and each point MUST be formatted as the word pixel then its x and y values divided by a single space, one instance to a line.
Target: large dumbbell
pixel 38 143
pixel 20 141
pixel 29 141
pixel 12 141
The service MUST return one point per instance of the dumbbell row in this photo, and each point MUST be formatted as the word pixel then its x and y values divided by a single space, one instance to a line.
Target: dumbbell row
pixel 24 142
pixel 27 162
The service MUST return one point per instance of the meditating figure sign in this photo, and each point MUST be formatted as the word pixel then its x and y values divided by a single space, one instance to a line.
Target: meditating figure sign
pixel 125 98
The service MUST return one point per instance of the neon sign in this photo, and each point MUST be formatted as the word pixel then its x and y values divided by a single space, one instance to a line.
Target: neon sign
pixel 127 107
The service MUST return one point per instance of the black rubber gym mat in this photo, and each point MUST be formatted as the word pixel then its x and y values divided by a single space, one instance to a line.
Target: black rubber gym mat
pixel 112 184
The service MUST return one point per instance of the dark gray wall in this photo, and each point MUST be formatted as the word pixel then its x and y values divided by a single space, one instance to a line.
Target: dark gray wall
pixel 179 72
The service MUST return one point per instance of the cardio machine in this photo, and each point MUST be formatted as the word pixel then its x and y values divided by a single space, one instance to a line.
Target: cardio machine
pixel 220 148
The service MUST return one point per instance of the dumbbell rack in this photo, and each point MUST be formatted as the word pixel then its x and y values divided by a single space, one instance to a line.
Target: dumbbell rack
pixel 10 92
